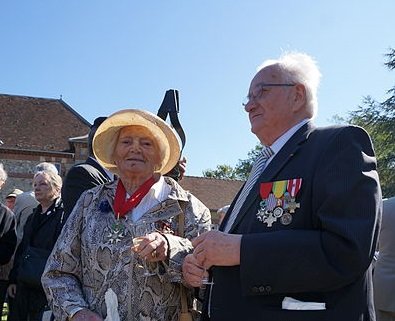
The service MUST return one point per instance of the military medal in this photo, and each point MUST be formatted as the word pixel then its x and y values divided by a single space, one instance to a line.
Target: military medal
pixel 116 232
pixel 293 188
pixel 278 201
pixel 123 205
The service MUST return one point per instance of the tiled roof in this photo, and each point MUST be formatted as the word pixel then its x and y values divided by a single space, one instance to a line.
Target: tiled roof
pixel 38 123
pixel 214 193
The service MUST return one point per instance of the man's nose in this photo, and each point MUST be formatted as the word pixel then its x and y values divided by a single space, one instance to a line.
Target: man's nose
pixel 250 106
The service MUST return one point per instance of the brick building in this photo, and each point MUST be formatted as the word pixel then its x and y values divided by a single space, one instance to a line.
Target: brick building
pixel 35 130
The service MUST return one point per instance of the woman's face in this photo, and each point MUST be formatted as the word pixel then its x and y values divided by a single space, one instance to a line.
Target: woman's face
pixel 43 191
pixel 136 152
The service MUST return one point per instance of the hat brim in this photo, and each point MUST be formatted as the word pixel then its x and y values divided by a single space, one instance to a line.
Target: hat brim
pixel 106 137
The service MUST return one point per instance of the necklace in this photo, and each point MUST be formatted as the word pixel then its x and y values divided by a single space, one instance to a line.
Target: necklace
pixel 122 206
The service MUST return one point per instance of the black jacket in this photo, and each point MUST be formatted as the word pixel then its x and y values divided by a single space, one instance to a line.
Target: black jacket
pixel 7 234
pixel 80 178
pixel 41 230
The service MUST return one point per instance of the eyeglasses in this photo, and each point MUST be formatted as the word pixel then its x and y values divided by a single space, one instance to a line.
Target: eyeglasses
pixel 259 92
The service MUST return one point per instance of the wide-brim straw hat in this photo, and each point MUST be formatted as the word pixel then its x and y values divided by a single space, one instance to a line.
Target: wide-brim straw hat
pixel 107 134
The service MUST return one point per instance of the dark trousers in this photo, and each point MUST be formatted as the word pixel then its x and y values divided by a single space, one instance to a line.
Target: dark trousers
pixel 29 304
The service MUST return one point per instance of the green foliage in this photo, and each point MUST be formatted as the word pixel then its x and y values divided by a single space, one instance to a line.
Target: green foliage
pixel 378 118
pixel 239 172
pixel 222 172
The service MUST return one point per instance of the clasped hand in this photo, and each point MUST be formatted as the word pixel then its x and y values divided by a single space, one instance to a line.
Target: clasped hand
pixel 210 248
pixel 153 247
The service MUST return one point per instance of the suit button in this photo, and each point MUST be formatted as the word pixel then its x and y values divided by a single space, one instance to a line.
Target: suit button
pixel 268 288
pixel 262 289
pixel 255 289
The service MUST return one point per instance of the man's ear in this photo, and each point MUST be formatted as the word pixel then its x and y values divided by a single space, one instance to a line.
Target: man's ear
pixel 299 97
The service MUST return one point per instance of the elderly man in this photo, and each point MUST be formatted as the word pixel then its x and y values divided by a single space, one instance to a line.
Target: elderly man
pixel 298 240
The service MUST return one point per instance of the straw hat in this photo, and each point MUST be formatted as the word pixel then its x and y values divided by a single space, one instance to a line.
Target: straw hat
pixel 107 134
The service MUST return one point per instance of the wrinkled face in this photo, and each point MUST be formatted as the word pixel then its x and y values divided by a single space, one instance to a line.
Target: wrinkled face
pixel 269 105
pixel 43 191
pixel 136 152
pixel 10 202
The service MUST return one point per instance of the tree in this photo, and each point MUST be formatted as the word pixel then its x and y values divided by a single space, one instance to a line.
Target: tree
pixel 378 118
pixel 240 171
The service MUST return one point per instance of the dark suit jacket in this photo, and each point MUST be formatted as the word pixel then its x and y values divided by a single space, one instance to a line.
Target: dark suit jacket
pixel 324 254
pixel 384 272
pixel 80 178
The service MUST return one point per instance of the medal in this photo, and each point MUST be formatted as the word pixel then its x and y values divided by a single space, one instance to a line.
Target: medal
pixel 269 219
pixel 278 201
pixel 116 232
pixel 293 188
pixel 286 219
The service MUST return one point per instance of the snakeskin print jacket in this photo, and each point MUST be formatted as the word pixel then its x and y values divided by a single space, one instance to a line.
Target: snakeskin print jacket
pixel 88 260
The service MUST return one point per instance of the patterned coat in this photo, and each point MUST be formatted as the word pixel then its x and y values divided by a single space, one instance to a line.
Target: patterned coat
pixel 86 262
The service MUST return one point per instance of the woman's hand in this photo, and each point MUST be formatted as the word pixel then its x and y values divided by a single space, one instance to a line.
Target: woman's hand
pixel 11 290
pixel 153 247
pixel 86 315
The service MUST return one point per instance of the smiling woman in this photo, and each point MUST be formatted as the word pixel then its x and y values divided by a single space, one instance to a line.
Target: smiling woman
pixel 96 256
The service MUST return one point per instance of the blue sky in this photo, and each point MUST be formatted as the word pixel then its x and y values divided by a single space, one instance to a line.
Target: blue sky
pixel 103 56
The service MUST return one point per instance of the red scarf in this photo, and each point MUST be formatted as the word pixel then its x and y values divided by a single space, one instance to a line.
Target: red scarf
pixel 121 205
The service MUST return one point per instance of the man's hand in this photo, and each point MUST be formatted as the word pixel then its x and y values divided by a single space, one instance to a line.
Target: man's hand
pixel 192 272
pixel 182 167
pixel 11 290
pixel 217 248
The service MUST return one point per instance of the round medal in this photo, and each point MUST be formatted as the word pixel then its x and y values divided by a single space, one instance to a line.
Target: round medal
pixel 286 219
pixel 278 212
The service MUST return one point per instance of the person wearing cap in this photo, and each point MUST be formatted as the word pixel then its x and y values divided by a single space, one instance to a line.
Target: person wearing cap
pixel 11 197
pixel 94 267
pixel 87 175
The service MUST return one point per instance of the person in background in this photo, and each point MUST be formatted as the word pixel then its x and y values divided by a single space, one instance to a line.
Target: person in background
pixel 7 240
pixel 26 202
pixel 384 271
pixel 95 259
pixel 11 197
pixel 298 240
pixel 87 175
pixel 41 231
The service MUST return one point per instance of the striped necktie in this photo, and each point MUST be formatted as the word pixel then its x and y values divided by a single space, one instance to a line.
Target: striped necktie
pixel 257 170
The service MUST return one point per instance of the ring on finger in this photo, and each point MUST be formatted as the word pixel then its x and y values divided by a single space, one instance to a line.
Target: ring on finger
pixel 154 254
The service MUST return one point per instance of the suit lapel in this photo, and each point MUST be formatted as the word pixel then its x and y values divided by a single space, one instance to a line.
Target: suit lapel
pixel 286 153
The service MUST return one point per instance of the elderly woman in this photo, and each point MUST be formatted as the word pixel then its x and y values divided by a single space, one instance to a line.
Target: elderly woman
pixel 95 272
pixel 40 234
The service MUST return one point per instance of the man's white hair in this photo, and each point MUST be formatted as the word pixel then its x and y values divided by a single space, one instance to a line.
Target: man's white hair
pixel 299 68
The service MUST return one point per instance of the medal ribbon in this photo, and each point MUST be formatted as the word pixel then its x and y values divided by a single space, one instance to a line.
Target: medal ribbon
pixel 121 205
pixel 265 189
pixel 279 188
pixel 294 186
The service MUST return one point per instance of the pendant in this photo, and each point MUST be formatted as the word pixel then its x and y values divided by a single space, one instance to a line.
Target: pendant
pixel 116 232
